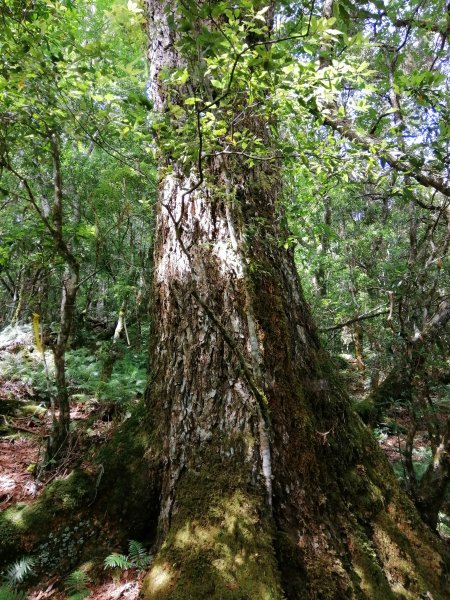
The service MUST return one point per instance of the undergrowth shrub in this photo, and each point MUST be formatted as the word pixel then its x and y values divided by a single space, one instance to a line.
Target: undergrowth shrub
pixel 28 367
pixel 9 593
pixel 20 570
pixel 14 576
pixel 76 585
pixel 127 381
pixel 83 370
pixel 137 558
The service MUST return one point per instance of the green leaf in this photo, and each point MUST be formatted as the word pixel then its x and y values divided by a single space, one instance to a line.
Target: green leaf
pixel 117 561
pixel 192 101
pixel 76 583
pixel 20 570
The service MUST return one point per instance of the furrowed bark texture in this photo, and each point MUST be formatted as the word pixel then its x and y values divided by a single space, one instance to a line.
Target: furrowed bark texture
pixel 271 487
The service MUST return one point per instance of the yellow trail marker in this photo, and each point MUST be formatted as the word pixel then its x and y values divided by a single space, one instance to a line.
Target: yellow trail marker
pixel 37 337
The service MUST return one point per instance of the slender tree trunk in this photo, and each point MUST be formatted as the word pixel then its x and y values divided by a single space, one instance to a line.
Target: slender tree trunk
pixel 113 352
pixel 408 382
pixel 61 403
pixel 358 340
pixel 320 276
pixel 270 487
pixel 19 296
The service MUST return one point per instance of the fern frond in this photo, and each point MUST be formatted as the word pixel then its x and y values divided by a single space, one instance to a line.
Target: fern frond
pixel 18 571
pixel 142 563
pixel 136 550
pixel 138 555
pixel 76 582
pixel 8 593
pixel 117 561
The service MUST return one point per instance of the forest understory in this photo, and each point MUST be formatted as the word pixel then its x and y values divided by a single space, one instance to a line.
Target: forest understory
pixel 26 423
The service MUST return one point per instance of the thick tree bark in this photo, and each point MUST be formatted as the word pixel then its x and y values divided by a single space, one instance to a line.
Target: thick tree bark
pixel 271 487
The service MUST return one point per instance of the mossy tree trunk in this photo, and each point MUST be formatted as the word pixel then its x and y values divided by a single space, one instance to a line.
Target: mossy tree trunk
pixel 271 487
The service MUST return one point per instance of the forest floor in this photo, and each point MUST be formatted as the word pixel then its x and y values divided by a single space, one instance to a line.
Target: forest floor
pixel 25 423
pixel 24 429
pixel 125 586
pixel 393 441
pixel 22 445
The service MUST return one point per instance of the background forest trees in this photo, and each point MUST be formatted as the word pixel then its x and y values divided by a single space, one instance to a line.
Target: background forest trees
pixel 68 180
pixel 355 98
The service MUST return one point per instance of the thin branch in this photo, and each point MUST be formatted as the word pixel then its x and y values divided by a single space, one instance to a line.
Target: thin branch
pixel 241 54
pixel 6 285
pixel 372 143
pixel 31 197
pixel 368 315
pixel 429 25
pixel 437 322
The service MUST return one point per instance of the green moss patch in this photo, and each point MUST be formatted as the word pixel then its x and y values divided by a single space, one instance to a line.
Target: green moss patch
pixel 219 543
pixel 24 524
pixel 117 485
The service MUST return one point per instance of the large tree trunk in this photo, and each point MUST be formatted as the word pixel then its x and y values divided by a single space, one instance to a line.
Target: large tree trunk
pixel 271 487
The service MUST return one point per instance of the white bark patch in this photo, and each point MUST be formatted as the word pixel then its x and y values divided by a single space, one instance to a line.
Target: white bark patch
pixel 174 262
pixel 228 259
pixel 264 448
pixel 301 334
pixel 203 435
pixel 255 348
pixel 188 210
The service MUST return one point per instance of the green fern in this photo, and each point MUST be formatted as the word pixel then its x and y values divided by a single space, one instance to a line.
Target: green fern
pixel 8 593
pixel 20 570
pixel 76 582
pixel 137 554
pixel 138 558
pixel 117 561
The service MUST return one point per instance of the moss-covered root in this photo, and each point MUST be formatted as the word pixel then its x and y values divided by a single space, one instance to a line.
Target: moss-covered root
pixel 119 490
pixel 219 546
pixel 392 552
pixel 23 525
pixel 414 560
